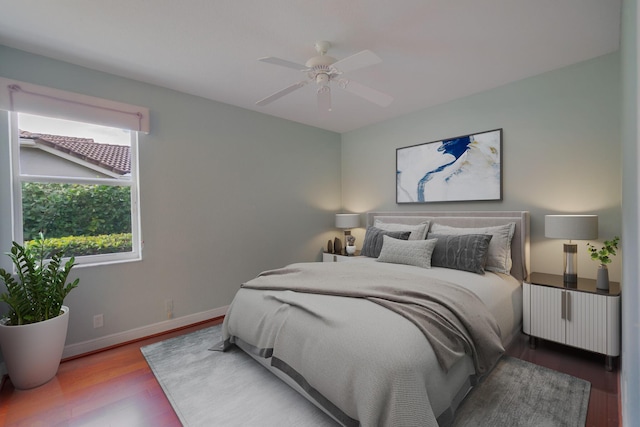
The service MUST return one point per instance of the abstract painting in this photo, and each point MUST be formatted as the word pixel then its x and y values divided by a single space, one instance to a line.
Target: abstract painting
pixel 463 168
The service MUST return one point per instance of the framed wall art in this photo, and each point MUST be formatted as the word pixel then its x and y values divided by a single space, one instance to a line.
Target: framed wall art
pixel 464 168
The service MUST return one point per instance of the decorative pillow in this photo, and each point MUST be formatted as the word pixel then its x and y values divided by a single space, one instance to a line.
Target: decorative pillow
pixel 499 257
pixel 418 231
pixel 467 252
pixel 373 240
pixel 409 252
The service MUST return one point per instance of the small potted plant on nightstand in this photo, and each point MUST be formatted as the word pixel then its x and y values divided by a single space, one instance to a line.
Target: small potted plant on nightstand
pixel 33 333
pixel 603 256
pixel 351 245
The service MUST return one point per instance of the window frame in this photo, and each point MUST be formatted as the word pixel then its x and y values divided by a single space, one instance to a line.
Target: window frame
pixel 133 183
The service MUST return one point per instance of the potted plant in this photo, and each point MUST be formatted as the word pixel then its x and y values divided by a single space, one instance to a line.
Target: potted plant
pixel 351 245
pixel 603 255
pixel 33 332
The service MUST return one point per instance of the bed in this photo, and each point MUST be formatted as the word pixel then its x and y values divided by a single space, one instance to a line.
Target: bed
pixel 387 339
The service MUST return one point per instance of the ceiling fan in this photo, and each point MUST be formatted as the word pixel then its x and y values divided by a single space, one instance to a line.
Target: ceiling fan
pixel 324 69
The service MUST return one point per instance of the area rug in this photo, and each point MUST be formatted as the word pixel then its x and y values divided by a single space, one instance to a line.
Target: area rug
pixel 519 393
pixel 211 388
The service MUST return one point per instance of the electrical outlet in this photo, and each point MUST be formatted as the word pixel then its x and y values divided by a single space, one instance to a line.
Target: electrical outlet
pixel 98 321
pixel 168 306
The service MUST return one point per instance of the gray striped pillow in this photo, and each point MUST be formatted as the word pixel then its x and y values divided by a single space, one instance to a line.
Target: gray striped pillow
pixel 467 252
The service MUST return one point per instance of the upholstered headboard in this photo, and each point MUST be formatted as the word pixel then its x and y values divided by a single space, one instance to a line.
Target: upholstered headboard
pixel 519 244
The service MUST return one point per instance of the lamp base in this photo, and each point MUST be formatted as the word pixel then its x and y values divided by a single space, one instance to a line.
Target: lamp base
pixel 570 271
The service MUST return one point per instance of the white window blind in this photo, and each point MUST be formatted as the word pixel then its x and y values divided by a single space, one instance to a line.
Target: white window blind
pixel 44 101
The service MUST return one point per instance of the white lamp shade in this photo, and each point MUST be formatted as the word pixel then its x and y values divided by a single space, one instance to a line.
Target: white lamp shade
pixel 572 227
pixel 347 220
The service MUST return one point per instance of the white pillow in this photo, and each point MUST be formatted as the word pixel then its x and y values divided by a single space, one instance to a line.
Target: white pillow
pixel 418 231
pixel 409 252
pixel 499 255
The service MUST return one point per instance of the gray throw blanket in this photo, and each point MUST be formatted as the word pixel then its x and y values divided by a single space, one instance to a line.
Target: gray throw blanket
pixel 454 320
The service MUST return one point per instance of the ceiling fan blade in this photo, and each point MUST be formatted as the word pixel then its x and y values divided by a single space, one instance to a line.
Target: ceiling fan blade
pixel 284 63
pixel 287 90
pixel 324 98
pixel 361 59
pixel 371 95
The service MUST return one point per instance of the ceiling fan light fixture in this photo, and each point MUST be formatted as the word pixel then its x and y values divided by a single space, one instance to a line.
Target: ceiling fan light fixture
pixel 323 69
pixel 322 79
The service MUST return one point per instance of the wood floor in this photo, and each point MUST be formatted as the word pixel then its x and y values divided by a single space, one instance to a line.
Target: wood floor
pixel 117 388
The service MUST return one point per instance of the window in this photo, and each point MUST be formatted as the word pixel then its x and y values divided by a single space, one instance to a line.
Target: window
pixel 77 183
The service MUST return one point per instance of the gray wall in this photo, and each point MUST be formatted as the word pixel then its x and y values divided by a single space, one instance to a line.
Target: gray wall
pixel 225 194
pixel 630 375
pixel 561 153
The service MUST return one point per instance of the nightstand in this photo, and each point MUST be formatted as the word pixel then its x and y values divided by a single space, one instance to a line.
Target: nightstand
pixel 327 257
pixel 578 315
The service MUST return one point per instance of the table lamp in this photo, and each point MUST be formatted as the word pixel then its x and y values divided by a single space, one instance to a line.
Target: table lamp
pixel 571 227
pixel 347 222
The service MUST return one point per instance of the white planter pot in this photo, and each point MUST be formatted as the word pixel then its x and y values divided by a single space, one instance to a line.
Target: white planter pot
pixel 32 352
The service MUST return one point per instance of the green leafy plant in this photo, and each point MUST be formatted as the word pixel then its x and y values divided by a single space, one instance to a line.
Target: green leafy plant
pixel 60 210
pixel 88 245
pixel 41 286
pixel 604 254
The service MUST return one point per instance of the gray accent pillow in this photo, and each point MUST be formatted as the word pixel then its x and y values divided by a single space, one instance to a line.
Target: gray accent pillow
pixel 499 257
pixel 373 240
pixel 409 252
pixel 418 231
pixel 467 252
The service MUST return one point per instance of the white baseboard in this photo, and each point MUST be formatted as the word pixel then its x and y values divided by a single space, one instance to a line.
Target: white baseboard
pixel 138 333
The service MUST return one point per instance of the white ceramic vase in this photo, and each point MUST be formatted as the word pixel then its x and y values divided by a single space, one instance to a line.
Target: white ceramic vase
pixel 32 352
pixel 351 250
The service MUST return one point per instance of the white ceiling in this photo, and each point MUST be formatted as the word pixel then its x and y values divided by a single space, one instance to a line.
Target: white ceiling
pixel 433 51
